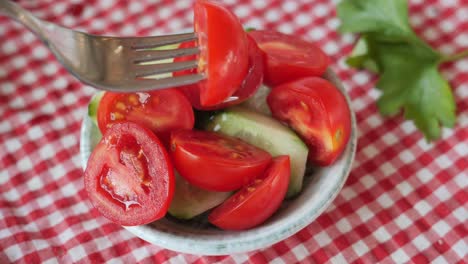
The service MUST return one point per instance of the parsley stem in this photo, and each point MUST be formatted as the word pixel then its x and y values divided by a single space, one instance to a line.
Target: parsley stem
pixel 454 57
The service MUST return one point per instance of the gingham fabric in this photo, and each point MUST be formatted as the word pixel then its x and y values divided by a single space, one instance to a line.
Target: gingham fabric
pixel 405 200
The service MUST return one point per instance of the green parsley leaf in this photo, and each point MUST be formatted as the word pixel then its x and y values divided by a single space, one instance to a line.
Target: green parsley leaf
pixel 389 17
pixel 410 80
pixel 362 55
pixel 414 84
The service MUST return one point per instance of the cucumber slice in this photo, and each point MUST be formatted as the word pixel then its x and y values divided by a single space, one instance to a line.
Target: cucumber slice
pixel 167 47
pixel 162 75
pixel 258 101
pixel 268 134
pixel 190 201
pixel 93 106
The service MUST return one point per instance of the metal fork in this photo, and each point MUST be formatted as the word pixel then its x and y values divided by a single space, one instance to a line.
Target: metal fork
pixel 121 64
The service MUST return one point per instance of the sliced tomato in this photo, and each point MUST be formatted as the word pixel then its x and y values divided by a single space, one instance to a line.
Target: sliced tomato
pixel 161 111
pixel 289 57
pixel 252 82
pixel 216 162
pixel 318 112
pixel 129 177
pixel 223 57
pixel 255 203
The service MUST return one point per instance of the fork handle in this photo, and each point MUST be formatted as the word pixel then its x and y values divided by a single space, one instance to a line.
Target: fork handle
pixel 21 15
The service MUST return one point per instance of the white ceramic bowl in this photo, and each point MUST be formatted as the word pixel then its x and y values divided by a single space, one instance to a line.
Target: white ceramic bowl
pixel 198 237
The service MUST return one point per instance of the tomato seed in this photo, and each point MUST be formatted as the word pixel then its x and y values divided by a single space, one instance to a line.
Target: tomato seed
pixel 338 135
pixel 116 116
pixel 133 99
pixel 121 106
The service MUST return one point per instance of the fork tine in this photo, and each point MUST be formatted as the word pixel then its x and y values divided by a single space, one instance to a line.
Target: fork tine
pixel 157 41
pixel 147 84
pixel 155 55
pixel 152 69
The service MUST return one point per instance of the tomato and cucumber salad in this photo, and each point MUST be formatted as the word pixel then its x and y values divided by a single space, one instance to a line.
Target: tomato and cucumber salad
pixel 238 165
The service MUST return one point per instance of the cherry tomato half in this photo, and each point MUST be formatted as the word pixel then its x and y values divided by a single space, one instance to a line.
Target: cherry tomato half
pixel 253 80
pixel 129 178
pixel 289 57
pixel 223 55
pixel 318 112
pixel 161 111
pixel 216 162
pixel 255 203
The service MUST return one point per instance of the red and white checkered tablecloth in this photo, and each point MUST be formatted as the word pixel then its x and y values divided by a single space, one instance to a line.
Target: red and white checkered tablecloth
pixel 406 201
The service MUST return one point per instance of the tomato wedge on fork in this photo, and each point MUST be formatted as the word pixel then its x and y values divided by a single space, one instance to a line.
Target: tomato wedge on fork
pixel 223 57
pixel 252 82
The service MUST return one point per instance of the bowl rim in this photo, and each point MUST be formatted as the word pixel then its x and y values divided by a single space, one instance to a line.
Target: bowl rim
pixel 232 242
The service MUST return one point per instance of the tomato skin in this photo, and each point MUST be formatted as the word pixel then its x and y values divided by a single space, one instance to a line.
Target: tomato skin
pixel 289 57
pixel 252 82
pixel 129 177
pixel 255 203
pixel 216 162
pixel 161 111
pixel 318 112
pixel 223 56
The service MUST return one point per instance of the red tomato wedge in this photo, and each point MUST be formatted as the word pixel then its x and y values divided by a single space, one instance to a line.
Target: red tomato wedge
pixel 129 177
pixel 161 111
pixel 318 112
pixel 289 57
pixel 223 57
pixel 249 86
pixel 216 162
pixel 255 203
